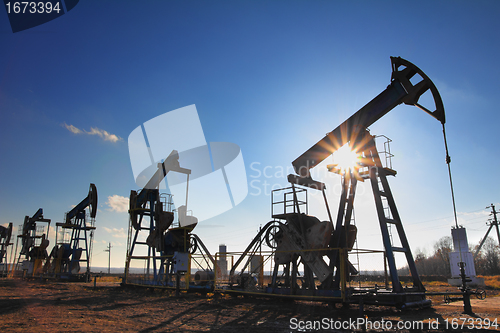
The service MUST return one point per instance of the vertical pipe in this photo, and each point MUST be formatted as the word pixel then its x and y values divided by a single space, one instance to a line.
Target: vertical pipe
pixel 187 190
pixel 109 258
pixel 327 206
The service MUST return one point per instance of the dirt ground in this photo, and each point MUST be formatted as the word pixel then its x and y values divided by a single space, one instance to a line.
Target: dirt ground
pixel 35 306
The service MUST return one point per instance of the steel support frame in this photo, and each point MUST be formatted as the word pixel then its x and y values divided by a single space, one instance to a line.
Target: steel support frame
pixel 152 200
pixel 349 184
pixel 344 216
pixel 79 227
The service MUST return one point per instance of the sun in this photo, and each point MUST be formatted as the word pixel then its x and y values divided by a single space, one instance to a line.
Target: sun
pixel 345 159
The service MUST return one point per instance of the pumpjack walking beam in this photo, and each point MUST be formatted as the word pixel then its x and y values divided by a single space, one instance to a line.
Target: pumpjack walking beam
pixel 401 90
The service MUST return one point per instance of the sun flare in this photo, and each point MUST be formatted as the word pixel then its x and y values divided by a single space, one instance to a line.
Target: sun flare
pixel 345 158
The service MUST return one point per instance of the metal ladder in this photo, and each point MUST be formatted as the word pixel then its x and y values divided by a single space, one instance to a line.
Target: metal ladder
pixel 80 228
pixel 381 191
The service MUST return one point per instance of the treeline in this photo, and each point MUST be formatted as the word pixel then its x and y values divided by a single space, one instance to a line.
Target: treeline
pixel 487 261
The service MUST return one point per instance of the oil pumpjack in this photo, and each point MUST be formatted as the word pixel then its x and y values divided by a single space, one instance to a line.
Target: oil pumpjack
pixel 168 249
pixel 34 243
pixel 322 248
pixel 5 236
pixel 70 254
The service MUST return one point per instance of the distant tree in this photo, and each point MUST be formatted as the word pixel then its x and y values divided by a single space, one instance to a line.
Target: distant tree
pixel 436 264
pixel 441 257
pixel 421 262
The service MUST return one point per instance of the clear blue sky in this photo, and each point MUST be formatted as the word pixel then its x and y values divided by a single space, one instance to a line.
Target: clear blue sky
pixel 270 76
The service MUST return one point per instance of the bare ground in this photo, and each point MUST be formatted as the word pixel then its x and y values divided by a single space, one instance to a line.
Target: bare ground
pixel 28 306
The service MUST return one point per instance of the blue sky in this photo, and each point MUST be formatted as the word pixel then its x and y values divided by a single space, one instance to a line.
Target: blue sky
pixel 271 76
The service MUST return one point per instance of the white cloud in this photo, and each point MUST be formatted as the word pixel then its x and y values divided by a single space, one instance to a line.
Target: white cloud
pixel 115 232
pixel 118 203
pixel 105 135
pixel 72 129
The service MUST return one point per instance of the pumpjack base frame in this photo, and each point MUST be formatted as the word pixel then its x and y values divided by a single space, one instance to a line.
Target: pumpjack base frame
pixel 343 290
pixel 153 284
pixel 68 277
pixel 380 297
